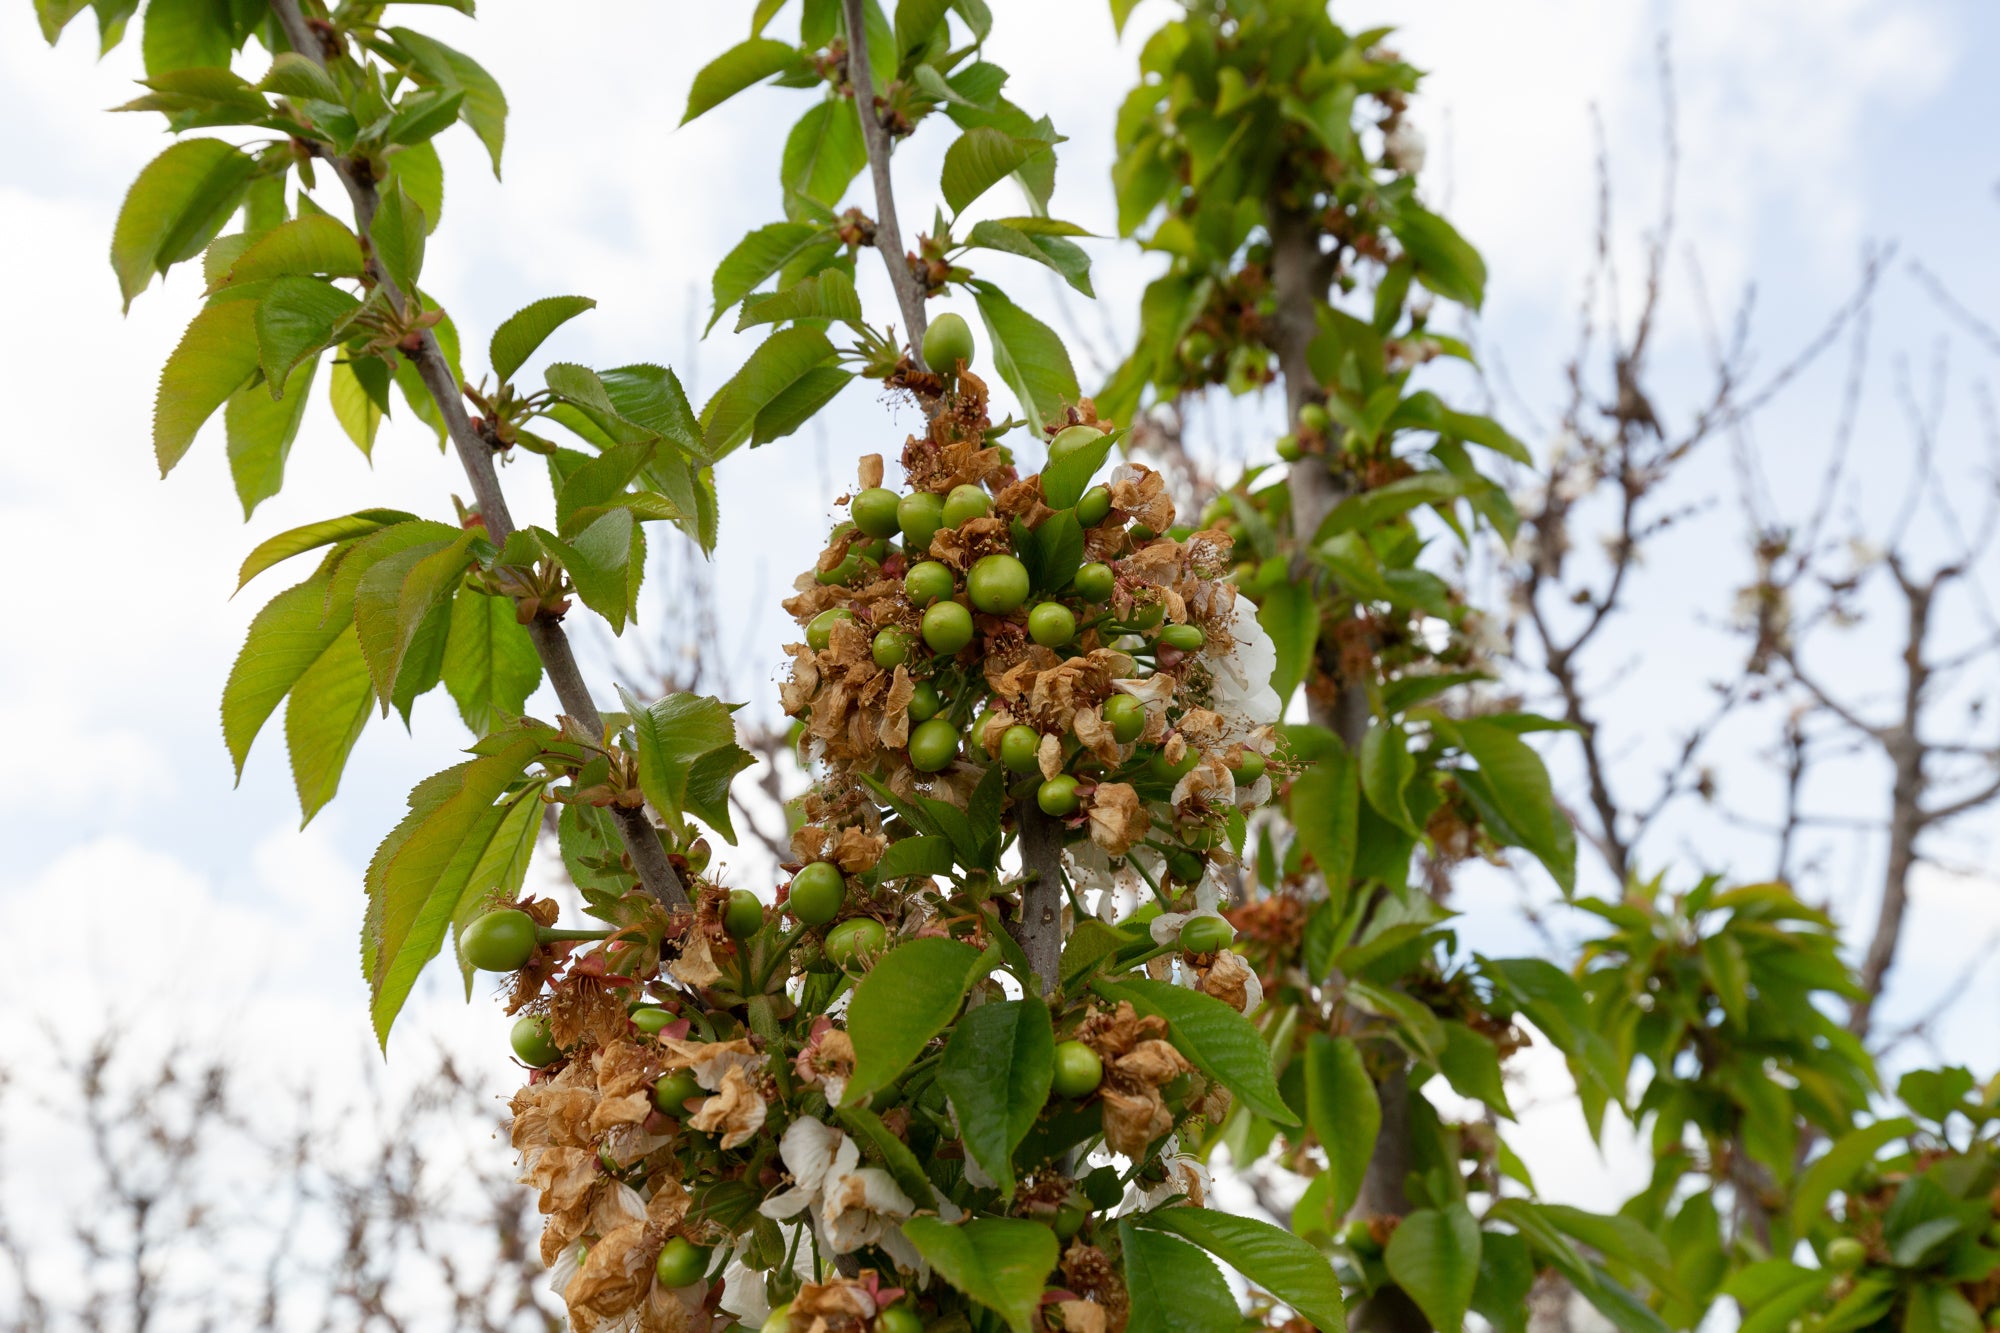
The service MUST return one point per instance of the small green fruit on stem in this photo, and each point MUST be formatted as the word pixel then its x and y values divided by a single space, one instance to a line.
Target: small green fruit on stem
pixel 947 343
pixel 744 916
pixel 681 1263
pixel 1078 1070
pixel 817 893
pixel 533 1046
pixel 1205 934
pixel 499 941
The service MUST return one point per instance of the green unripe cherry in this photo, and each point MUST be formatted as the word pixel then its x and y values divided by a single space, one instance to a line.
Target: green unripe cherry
pixel 933 745
pixel 499 941
pixel 1147 616
pixel 899 1319
pixel 1159 770
pixel 851 944
pixel 1094 582
pixel 924 702
pixel 947 628
pixel 1845 1254
pixel 1290 449
pixel 1140 533
pixel 997 584
pixel 927 582
pixel 1359 1237
pixel 1070 440
pixel 1078 1070
pixel 1313 417
pixel 1019 748
pixel 851 569
pixel 1051 624
pixel 1094 507
pixel 819 630
pixel 1069 1219
pixel 1057 796
pixel 947 342
pixel 1126 717
pixel 1205 934
pixel 1249 767
pixel 1187 638
pixel 671 1091
pixel 874 511
pixel 651 1018
pixel 1180 532
pixel 817 893
pixel 533 1046
pixel 964 504
pixel 890 648
pixel 744 916
pixel 780 1320
pixel 1186 866
pixel 919 514
pixel 681 1263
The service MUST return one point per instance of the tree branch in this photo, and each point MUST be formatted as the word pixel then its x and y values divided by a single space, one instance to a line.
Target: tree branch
pixel 888 233
pixel 642 841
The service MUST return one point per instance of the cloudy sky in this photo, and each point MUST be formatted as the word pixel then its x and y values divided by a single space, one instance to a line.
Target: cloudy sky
pixel 1809 129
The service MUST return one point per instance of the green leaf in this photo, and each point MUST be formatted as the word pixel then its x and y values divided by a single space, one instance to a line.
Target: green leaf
pixel 785 358
pixel 490 664
pixel 756 257
pixel 1506 1276
pixel 297 541
pixel 1937 1308
pixel 1215 1039
pixel 1373 507
pixel 1065 480
pixel 425 866
pixel 1446 261
pixel 398 593
pixel 913 856
pixel 309 246
pixel 1342 1108
pixel 906 999
pixel 186 34
pixel 1471 1065
pixel 260 434
pixel 829 295
pixel 734 70
pixel 484 109
pixel 358 409
pixel 1271 1258
pixel 1835 1168
pixel 902 1164
pixel 212 360
pixel 981 158
pixel 294 75
pixel 328 708
pixel 398 234
pixel 1065 257
pixel 1000 1262
pixel 687 755
pixel 824 153
pixel 175 209
pixel 1290 614
pixel 916 20
pixel 605 562
pixel 1517 783
pixel 1434 1257
pixel 1935 1093
pixel 417 172
pixel 298 318
pixel 997 1070
pixel 527 328
pixel 1386 769
pixel 1174 1287
pixel 1028 354
pixel 1326 801
pixel 283 642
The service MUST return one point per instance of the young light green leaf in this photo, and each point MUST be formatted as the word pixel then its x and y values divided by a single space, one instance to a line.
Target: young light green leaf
pixel 297 541
pixel 1215 1039
pixel 358 411
pixel 1174 1287
pixel 308 246
pixel 1434 1257
pixel 1446 261
pixel 1000 1262
pixel 1325 803
pixel 1386 770
pixel 1290 614
pixel 1839 1165
pixel 424 868
pixel 829 295
pixel 981 158
pixel 756 257
pixel 177 205
pixel 212 360
pixel 997 1070
pixel 906 999
pixel 605 562
pixel 484 109
pixel 328 707
pixel 260 434
pixel 398 594
pixel 1028 355
pixel 1271 1258
pixel 283 642
pixel 294 75
pixel 1065 480
pixel 298 318
pixel 527 328
pixel 824 152
pixel 490 665
pixel 184 34
pixel 416 170
pixel 398 235
pixel 739 67
pixel 1047 248
pixel 1517 784
pixel 686 743
pixel 785 358
pixel 1344 1112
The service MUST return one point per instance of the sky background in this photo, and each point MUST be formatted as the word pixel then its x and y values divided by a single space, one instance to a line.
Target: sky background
pixel 1809 130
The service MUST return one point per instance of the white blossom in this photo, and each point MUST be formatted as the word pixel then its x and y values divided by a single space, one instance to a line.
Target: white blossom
pixel 1404 147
